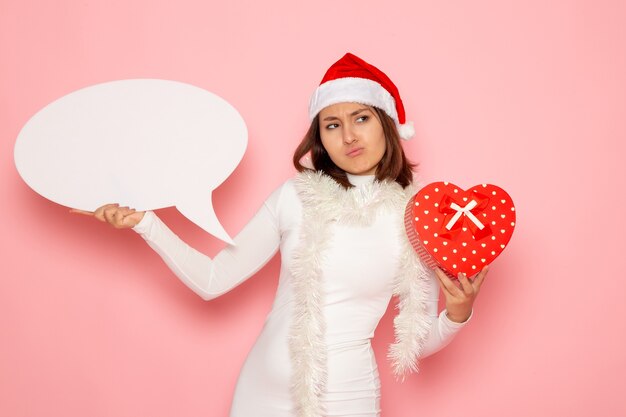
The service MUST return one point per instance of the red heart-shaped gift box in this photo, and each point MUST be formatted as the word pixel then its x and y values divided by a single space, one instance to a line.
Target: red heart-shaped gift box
pixel 458 230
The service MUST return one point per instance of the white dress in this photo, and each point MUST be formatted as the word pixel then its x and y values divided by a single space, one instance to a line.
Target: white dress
pixel 358 268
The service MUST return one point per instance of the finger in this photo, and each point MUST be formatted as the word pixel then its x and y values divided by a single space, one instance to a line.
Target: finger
pixel 128 219
pixel 99 213
pixel 446 283
pixel 126 211
pixel 109 214
pixel 101 209
pixel 467 287
pixel 118 216
pixel 478 281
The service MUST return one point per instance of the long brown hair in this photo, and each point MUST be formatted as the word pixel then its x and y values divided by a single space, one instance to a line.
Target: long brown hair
pixel 393 166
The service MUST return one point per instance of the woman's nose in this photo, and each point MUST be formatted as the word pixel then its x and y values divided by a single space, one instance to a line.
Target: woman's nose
pixel 348 135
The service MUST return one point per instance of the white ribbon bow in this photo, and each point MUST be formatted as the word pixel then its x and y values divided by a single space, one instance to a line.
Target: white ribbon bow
pixel 466 211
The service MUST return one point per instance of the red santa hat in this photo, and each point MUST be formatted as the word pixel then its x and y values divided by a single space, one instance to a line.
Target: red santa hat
pixel 353 80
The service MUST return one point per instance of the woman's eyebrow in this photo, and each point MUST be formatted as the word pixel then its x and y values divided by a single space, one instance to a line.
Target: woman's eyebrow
pixel 354 113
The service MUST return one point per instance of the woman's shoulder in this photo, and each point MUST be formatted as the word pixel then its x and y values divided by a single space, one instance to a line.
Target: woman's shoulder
pixel 284 193
pixel 304 180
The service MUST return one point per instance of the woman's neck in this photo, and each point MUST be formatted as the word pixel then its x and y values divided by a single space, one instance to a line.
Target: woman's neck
pixel 358 180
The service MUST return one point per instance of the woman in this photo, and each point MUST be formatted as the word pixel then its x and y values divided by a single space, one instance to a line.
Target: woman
pixel 339 228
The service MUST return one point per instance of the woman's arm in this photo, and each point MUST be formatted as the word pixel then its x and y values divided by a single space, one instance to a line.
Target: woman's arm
pixel 442 330
pixel 460 297
pixel 254 246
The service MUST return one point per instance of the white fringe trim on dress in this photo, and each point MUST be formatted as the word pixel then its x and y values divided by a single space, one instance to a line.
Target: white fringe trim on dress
pixel 324 201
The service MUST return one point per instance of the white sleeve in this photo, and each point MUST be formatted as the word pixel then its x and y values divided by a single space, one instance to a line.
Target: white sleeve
pixel 442 330
pixel 254 246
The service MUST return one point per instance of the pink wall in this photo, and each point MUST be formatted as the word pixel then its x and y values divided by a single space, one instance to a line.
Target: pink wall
pixel 529 95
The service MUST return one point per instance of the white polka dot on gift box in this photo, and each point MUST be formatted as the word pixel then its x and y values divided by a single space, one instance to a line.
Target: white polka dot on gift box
pixel 460 230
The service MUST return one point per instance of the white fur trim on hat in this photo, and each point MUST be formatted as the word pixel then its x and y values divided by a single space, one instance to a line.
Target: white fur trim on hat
pixel 358 90
pixel 352 90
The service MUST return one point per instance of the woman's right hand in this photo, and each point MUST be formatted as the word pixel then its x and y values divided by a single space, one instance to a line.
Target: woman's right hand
pixel 116 216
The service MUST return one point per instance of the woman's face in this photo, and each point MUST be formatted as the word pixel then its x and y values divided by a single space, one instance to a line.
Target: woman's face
pixel 353 137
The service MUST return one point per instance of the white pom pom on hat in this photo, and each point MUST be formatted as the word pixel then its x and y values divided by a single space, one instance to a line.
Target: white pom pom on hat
pixel 353 80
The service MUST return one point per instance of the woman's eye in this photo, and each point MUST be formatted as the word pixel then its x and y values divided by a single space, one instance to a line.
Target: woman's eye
pixel 332 126
pixel 362 118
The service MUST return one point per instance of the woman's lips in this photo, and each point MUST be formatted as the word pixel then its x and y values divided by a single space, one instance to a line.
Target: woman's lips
pixel 354 152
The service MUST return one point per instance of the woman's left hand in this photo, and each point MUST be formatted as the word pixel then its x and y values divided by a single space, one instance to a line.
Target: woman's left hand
pixel 460 295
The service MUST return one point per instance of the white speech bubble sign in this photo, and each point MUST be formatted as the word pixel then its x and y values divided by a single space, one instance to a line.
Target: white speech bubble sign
pixel 142 143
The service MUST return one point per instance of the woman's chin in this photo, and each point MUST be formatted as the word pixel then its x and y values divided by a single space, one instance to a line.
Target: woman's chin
pixel 362 171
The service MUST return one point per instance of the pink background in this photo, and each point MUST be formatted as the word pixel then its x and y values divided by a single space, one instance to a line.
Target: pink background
pixel 529 95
